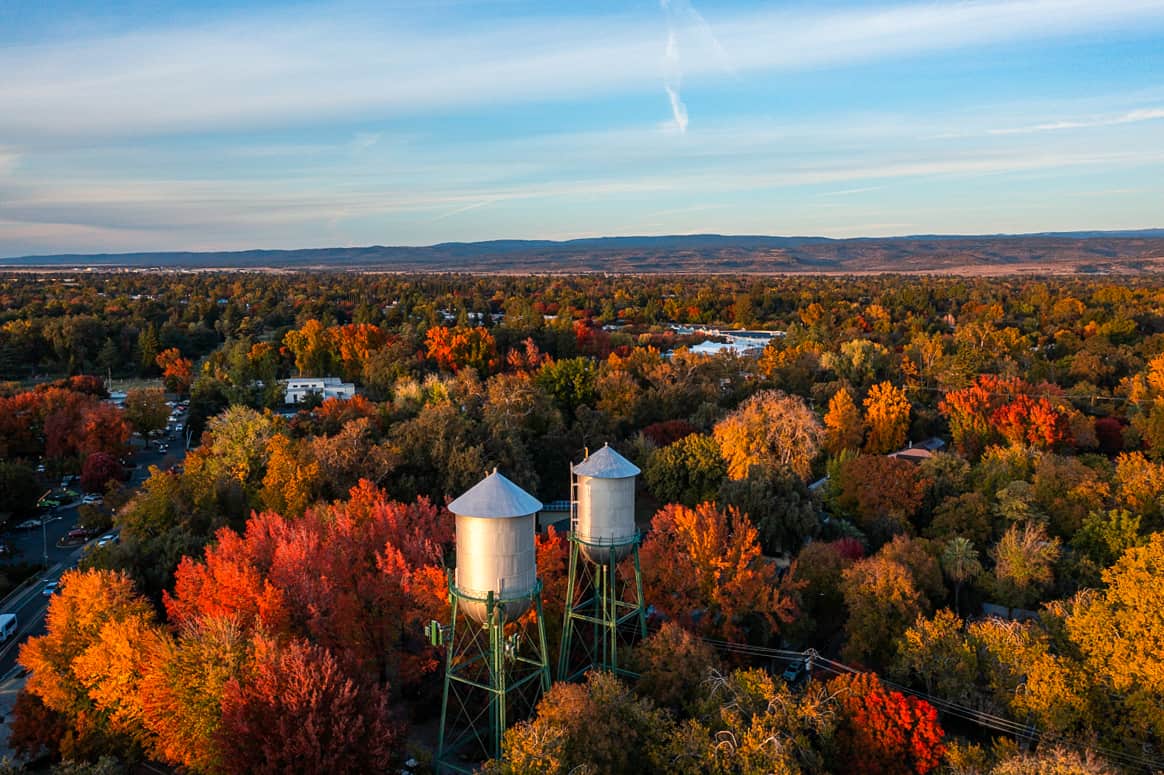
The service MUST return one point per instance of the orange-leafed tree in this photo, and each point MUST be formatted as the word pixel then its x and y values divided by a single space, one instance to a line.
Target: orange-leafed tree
pixel 844 427
pixel 295 710
pixel 882 494
pixel 293 480
pixel 182 691
pixel 770 429
pixel 177 371
pixel 526 358
pixel 88 601
pixel 353 344
pixel 553 559
pixel 887 418
pixel 462 347
pixel 230 582
pixel 311 346
pixel 883 600
pixel 703 568
pixel 334 413
pixel 884 732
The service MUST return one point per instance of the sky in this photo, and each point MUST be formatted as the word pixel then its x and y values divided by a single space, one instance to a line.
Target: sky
pixel 150 125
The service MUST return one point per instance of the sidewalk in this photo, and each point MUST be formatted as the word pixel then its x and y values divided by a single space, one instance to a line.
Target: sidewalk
pixel 10 686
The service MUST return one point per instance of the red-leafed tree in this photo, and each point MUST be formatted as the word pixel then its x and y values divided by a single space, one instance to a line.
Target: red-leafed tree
pixel 882 493
pixel 668 432
pixel 998 408
pixel 21 425
pixel 98 470
pixel 61 412
pixel 883 732
pixel 356 577
pixel 1033 421
pixel 295 710
pixel 103 428
pixel 591 339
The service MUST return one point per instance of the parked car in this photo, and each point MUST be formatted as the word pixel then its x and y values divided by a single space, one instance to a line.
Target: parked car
pixel 108 538
pixel 796 672
pixel 92 498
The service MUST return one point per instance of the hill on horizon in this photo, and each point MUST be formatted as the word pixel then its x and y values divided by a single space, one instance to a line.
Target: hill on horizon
pixel 1089 252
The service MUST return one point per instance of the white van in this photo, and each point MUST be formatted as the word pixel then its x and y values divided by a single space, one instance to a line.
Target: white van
pixel 7 626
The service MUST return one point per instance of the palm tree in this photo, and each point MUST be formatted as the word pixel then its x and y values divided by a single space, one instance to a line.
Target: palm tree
pixel 960 563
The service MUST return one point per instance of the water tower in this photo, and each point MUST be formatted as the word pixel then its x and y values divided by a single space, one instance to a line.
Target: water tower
pixel 494 664
pixel 604 594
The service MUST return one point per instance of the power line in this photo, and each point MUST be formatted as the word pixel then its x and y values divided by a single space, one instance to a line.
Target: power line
pixel 980 718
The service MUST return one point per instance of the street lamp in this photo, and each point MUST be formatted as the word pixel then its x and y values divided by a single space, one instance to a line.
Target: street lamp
pixel 43 528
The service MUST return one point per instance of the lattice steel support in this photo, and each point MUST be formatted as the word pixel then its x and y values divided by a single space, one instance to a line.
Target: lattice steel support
pixel 608 596
pixel 495 670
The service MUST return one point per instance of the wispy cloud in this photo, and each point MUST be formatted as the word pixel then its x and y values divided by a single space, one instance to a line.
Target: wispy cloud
pixel 298 66
pixel 465 209
pixel 851 191
pixel 1131 117
pixel 673 79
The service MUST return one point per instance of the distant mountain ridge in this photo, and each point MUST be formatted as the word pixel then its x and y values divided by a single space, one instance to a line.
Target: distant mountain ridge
pixel 1138 251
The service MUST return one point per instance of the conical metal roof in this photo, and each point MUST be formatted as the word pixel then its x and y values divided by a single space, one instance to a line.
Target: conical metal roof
pixel 495 496
pixel 607 464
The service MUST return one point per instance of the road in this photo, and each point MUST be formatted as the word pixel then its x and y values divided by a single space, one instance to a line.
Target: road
pixel 29 603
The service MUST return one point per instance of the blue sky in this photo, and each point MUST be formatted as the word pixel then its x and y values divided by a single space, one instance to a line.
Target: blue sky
pixel 157 125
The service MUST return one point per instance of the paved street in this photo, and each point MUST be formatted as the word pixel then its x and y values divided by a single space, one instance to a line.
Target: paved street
pixel 32 545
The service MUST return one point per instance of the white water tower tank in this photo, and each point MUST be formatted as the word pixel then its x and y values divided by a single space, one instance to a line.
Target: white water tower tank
pixel 606 504
pixel 495 545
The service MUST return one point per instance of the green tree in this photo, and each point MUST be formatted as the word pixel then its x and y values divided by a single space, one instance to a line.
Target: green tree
pixel 19 489
pixel 598 726
pixel 146 411
pixel 779 505
pixel 883 600
pixel 689 471
pixel 960 564
pixel 1024 564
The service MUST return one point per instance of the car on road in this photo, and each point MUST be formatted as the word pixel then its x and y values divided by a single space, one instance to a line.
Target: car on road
pixel 50 588
pixel 8 626
pixel 28 524
pixel 92 498
pixel 109 538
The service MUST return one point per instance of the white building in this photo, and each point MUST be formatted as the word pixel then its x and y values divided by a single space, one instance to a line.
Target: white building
pixel 298 388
